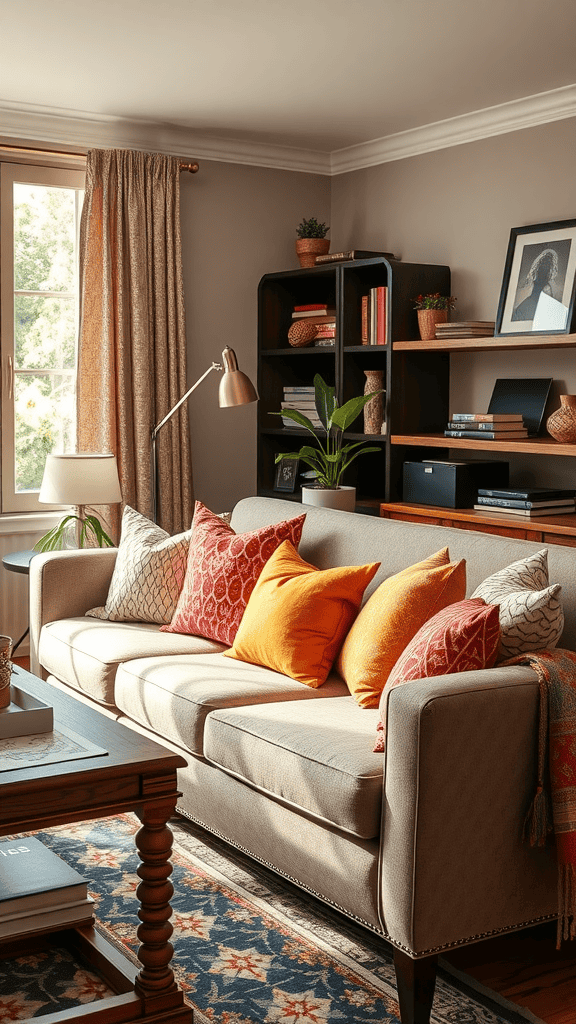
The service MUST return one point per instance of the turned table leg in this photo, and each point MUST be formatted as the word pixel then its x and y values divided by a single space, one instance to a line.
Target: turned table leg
pixel 415 980
pixel 155 983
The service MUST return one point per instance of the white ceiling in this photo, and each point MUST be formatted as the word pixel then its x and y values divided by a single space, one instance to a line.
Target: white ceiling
pixel 316 75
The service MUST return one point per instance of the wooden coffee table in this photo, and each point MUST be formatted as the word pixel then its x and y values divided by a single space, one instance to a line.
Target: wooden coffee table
pixel 137 775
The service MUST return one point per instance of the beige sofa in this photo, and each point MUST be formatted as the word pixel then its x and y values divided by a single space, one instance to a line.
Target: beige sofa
pixel 422 845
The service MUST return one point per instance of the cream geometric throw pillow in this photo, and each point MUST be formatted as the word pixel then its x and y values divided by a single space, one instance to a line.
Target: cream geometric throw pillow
pixel 531 616
pixel 148 575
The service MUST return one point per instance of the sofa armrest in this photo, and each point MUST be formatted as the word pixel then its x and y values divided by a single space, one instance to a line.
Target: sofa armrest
pixel 460 776
pixel 64 584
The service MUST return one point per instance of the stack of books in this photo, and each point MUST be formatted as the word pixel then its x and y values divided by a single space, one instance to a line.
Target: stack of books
pixel 489 426
pixel 322 315
pixel 39 891
pixel 373 327
pixel 529 501
pixel 466 329
pixel 353 254
pixel 302 399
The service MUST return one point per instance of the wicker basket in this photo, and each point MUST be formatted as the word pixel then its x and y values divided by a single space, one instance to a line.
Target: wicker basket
pixel 5 670
pixel 427 320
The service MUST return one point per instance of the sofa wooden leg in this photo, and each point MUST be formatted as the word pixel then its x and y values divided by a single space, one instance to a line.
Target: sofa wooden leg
pixel 415 980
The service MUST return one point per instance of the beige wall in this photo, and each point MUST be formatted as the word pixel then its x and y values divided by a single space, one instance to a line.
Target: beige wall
pixel 457 206
pixel 238 223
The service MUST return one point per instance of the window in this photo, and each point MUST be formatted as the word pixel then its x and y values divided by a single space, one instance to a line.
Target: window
pixel 39 234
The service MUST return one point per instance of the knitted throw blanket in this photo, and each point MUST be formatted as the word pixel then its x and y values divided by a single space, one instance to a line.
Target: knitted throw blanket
pixel 554 805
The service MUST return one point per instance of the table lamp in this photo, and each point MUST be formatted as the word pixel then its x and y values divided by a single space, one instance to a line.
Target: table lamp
pixel 235 389
pixel 83 479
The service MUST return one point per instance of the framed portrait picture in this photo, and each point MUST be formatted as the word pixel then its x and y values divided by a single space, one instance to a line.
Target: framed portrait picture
pixel 537 295
pixel 286 475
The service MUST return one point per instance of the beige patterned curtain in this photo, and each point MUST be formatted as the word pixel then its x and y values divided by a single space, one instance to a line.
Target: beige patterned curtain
pixel 132 352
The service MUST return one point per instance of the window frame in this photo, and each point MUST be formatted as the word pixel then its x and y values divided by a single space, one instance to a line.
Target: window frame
pixel 33 174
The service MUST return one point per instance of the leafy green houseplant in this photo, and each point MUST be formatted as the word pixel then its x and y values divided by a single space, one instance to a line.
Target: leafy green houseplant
pixel 331 457
pixel 311 241
pixel 87 526
pixel 434 301
pixel 432 309
pixel 312 229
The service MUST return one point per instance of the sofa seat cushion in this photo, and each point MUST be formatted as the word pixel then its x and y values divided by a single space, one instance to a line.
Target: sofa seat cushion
pixel 314 755
pixel 173 696
pixel 85 653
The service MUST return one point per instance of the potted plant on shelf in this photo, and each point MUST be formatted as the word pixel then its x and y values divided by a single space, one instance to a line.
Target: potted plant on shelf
pixel 311 241
pixel 432 309
pixel 331 456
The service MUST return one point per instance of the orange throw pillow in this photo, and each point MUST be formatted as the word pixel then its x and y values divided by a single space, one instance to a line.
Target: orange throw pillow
pixel 297 615
pixel 392 615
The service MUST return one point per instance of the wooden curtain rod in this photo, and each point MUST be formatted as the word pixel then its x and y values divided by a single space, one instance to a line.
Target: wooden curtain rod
pixel 193 166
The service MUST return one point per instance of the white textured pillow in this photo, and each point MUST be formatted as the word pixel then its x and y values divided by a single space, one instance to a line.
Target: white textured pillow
pixel 531 616
pixel 148 575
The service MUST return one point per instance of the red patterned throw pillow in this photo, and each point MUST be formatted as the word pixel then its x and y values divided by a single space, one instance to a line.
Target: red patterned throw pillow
pixel 222 570
pixel 460 638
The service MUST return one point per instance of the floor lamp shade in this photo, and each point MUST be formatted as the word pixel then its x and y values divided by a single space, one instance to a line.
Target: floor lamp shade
pixel 80 479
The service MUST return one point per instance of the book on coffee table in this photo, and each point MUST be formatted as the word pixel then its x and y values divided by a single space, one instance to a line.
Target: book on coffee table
pixel 38 890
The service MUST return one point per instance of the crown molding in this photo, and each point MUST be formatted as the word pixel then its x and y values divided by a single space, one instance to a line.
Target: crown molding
pixel 527 112
pixel 80 130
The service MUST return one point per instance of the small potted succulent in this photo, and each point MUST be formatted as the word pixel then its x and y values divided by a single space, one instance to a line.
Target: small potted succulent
pixel 331 456
pixel 311 241
pixel 432 309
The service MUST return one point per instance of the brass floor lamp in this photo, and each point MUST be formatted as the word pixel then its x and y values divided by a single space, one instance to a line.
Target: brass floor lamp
pixel 235 389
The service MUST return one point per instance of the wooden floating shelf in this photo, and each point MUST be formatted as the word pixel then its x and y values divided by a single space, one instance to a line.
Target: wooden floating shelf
pixel 531 446
pixel 488 344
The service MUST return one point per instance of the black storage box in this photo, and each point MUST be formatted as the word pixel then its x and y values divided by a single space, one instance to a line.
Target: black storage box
pixel 451 484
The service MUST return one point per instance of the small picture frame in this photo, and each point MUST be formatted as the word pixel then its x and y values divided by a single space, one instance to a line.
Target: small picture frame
pixel 286 475
pixel 537 295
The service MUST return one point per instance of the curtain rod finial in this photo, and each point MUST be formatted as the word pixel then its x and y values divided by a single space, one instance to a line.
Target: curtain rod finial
pixel 193 167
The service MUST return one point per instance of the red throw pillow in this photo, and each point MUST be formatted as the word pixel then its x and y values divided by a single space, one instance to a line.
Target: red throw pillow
pixel 462 637
pixel 223 567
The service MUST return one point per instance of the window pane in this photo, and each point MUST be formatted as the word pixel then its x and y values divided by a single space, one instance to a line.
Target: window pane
pixel 44 333
pixel 44 236
pixel 44 422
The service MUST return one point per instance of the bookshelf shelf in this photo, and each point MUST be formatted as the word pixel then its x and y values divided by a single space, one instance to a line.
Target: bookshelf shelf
pixel 531 446
pixel 488 344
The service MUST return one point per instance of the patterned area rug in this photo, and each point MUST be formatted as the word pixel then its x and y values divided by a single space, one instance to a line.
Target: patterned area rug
pixel 249 948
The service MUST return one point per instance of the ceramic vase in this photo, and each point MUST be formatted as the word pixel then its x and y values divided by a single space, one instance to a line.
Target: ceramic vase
pixel 374 409
pixel 562 423
pixel 5 670
pixel 427 320
pixel 342 498
pixel 307 249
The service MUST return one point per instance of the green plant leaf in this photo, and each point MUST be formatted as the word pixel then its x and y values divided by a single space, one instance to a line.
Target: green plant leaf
pixel 325 398
pixel 298 417
pixel 347 413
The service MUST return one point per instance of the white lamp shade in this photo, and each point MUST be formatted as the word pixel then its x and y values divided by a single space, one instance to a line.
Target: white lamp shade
pixel 80 479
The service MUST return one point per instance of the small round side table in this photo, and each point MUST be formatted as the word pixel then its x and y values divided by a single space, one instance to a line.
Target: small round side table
pixel 19 561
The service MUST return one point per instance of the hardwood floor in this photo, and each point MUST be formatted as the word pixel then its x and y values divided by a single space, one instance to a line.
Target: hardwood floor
pixel 527 969
pixel 524 967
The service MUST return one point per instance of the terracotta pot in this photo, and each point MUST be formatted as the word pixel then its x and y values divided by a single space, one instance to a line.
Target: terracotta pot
pixel 562 423
pixel 343 498
pixel 427 320
pixel 307 249
pixel 374 409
